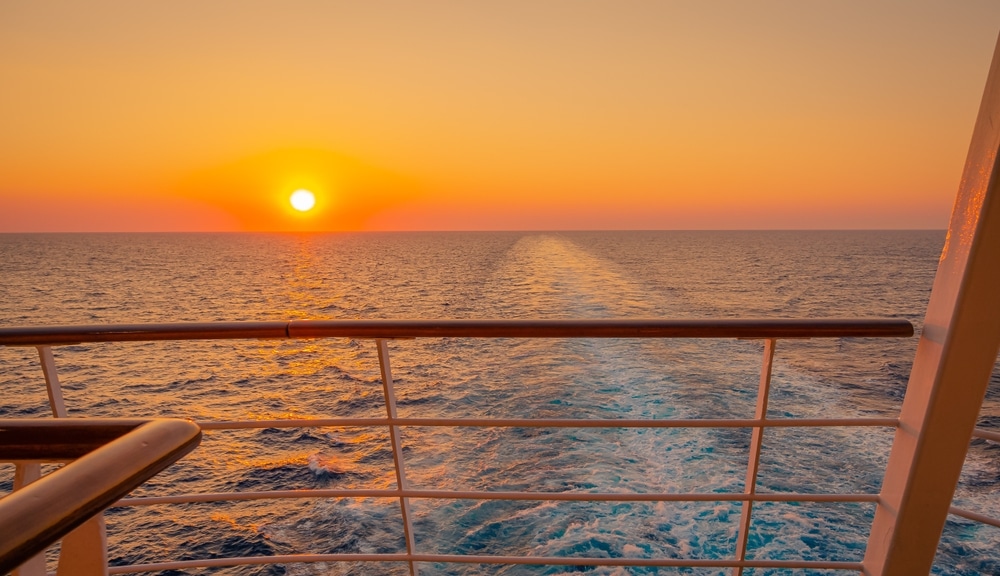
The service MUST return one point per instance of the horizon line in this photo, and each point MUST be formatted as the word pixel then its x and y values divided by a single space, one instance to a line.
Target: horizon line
pixel 428 231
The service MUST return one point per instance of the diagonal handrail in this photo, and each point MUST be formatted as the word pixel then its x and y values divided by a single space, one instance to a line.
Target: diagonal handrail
pixel 110 457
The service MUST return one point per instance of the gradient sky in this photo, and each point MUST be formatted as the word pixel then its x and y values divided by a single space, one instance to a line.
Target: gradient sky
pixel 464 115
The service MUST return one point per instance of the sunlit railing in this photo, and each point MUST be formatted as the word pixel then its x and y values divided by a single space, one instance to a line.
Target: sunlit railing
pixel 108 459
pixel 380 331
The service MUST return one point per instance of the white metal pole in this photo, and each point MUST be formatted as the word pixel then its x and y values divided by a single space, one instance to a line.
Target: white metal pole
pixel 25 473
pixel 955 355
pixel 750 486
pixel 84 551
pixel 52 385
pixel 389 393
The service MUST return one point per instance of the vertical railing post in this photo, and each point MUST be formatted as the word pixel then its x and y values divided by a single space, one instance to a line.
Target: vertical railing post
pixel 25 473
pixel 757 437
pixel 52 385
pixel 389 393
pixel 951 370
pixel 84 551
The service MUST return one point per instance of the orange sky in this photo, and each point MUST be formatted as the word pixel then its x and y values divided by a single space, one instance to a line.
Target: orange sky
pixel 562 114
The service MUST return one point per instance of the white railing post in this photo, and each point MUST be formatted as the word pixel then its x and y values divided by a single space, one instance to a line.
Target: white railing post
pixel 389 393
pixel 52 385
pixel 84 551
pixel 750 485
pixel 25 473
pixel 955 355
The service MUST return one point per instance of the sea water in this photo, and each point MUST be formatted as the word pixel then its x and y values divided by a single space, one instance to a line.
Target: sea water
pixel 131 278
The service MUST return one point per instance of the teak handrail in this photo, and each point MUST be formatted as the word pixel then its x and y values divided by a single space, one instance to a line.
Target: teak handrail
pixel 748 328
pixel 111 457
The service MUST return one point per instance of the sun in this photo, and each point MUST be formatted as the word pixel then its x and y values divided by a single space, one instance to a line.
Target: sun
pixel 303 200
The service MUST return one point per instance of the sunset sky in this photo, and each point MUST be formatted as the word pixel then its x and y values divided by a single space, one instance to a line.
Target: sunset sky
pixel 464 115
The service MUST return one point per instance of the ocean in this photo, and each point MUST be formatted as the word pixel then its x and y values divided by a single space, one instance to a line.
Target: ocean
pixel 62 279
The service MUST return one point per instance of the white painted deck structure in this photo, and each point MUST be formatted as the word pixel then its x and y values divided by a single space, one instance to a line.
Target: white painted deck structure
pixel 955 356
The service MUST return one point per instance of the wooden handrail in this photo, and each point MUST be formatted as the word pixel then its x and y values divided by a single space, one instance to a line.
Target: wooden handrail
pixel 601 328
pixel 110 459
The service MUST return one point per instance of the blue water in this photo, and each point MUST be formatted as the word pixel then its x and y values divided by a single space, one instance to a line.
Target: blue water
pixel 87 279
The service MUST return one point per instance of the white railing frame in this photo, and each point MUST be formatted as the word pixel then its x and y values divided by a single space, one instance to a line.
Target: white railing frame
pixel 403 492
pixel 84 551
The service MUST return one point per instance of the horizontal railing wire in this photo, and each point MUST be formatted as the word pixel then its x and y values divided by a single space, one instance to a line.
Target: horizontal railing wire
pixel 981 518
pixel 482 559
pixel 975 516
pixel 498 495
pixel 986 434
pixel 556 423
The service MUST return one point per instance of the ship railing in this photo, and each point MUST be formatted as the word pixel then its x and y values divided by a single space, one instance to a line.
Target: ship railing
pixel 108 458
pixel 381 331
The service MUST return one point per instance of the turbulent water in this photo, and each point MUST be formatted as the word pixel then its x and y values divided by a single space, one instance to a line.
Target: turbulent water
pixel 91 279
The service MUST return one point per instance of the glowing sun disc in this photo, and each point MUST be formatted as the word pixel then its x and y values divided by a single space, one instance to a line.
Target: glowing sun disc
pixel 303 200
